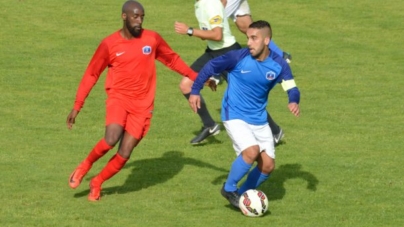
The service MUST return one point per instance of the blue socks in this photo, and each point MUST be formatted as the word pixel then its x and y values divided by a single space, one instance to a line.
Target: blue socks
pixel 238 170
pixel 275 48
pixel 254 179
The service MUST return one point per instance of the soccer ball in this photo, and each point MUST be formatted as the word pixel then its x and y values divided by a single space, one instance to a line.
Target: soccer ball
pixel 253 203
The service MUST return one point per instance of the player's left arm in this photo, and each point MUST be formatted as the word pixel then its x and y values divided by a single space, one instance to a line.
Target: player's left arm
pixel 289 85
pixel 172 60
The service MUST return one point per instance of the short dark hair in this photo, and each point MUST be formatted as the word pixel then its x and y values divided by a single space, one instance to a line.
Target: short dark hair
pixel 259 24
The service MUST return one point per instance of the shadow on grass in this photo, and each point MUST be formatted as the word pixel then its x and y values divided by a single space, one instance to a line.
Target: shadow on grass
pixel 282 142
pixel 274 187
pixel 149 172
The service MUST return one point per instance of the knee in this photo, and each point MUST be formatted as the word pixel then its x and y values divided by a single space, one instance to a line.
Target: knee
pixel 243 22
pixel 243 28
pixel 251 154
pixel 266 167
pixel 113 134
pixel 126 148
pixel 112 139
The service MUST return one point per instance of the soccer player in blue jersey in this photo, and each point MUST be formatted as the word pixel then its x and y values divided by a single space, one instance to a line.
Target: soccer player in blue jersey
pixel 252 73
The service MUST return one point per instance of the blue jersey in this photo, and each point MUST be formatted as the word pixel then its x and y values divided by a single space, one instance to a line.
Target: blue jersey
pixel 249 83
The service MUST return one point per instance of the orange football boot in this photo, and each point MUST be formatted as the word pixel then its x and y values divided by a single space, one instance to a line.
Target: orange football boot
pixel 77 176
pixel 95 191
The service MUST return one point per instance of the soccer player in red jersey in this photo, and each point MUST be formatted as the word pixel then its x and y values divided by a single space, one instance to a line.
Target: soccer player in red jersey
pixel 129 54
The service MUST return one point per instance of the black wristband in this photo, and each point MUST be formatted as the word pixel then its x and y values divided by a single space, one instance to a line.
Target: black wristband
pixel 190 31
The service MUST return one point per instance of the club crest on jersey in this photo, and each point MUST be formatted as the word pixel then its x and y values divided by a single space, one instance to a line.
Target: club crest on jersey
pixel 270 75
pixel 146 50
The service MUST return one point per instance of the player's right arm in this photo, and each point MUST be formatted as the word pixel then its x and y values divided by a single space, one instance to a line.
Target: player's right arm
pixel 215 34
pixel 225 62
pixel 213 23
pixel 71 118
pixel 215 66
pixel 94 69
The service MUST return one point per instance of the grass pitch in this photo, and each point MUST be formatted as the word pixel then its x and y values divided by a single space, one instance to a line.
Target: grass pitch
pixel 340 163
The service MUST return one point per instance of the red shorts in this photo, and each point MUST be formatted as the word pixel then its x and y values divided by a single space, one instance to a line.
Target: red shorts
pixel 136 124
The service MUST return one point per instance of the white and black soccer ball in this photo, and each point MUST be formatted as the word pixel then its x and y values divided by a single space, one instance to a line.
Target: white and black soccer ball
pixel 253 203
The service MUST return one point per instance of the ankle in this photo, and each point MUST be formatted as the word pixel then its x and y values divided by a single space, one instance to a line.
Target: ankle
pixel 96 181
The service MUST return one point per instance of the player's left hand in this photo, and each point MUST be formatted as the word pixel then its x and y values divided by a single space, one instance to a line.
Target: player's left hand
pixel 195 102
pixel 294 108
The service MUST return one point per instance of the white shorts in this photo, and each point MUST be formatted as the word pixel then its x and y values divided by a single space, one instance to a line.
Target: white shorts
pixel 236 8
pixel 245 135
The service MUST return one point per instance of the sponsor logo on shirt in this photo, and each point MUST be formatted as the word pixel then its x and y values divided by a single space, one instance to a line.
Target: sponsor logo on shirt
pixel 270 75
pixel 216 20
pixel 146 50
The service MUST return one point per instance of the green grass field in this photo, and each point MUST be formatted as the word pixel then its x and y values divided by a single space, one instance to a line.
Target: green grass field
pixel 340 163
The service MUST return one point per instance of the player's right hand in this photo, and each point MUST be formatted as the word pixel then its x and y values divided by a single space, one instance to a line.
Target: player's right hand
pixel 71 118
pixel 195 102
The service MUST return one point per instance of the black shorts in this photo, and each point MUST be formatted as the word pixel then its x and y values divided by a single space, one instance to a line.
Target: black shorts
pixel 210 54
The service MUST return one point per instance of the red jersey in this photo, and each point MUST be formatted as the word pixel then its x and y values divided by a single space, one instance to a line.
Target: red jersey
pixel 131 69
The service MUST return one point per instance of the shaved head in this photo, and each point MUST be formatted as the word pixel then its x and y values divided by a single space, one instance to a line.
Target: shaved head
pixel 130 5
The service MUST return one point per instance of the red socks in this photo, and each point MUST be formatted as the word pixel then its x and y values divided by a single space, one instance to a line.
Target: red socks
pixel 99 150
pixel 114 165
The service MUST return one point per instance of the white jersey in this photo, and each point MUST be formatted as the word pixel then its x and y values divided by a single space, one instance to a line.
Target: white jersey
pixel 210 14
pixel 236 8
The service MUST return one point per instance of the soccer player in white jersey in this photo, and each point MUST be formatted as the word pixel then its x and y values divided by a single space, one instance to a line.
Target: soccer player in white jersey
pixel 252 73
pixel 214 28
